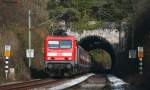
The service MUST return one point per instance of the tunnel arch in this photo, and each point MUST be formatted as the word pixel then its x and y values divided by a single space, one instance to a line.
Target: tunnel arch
pixel 96 42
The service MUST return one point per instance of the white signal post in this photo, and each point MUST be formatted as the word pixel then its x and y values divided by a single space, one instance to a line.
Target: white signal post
pixel 140 56
pixel 7 59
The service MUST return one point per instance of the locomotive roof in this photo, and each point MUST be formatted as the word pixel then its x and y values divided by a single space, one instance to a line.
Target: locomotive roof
pixel 60 37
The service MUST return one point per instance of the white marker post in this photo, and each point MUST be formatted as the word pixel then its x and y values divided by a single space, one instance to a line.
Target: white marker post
pixel 30 54
pixel 6 67
pixel 132 54
pixel 140 56
pixel 7 59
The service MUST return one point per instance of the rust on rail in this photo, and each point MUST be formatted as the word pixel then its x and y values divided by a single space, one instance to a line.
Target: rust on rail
pixel 27 85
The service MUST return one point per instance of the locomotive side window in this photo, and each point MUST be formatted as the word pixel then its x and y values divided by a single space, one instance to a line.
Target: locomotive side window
pixel 65 44
pixel 53 44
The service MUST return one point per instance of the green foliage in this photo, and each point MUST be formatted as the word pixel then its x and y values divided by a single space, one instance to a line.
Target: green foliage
pixel 70 15
pixel 59 32
pixel 101 56
pixel 77 12
pixel 79 26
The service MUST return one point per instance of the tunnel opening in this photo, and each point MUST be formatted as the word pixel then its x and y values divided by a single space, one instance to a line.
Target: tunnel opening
pixel 100 59
pixel 102 53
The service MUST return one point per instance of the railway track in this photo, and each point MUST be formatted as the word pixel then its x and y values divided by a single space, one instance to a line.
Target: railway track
pixel 95 82
pixel 83 82
pixel 27 84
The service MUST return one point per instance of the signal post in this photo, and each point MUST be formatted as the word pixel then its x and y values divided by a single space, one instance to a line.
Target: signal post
pixel 140 57
pixel 7 59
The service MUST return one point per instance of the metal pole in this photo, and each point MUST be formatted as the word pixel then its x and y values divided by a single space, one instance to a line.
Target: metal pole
pixel 140 66
pixel 132 27
pixel 132 40
pixel 140 56
pixel 29 26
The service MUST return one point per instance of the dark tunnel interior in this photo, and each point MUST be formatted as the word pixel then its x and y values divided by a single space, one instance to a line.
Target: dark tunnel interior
pixel 142 33
pixel 95 42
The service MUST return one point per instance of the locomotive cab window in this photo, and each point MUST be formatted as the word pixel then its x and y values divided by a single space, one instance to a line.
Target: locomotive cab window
pixel 53 44
pixel 60 44
pixel 65 44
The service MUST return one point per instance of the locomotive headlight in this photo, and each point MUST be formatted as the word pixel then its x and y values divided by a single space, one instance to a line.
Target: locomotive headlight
pixel 69 58
pixel 66 58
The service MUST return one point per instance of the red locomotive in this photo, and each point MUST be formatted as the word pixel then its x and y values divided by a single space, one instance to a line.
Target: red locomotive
pixel 63 56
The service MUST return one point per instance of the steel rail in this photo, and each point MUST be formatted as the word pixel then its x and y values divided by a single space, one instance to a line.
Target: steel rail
pixel 27 85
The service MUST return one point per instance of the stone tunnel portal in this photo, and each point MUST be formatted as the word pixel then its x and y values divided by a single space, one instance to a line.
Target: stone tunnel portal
pixel 99 45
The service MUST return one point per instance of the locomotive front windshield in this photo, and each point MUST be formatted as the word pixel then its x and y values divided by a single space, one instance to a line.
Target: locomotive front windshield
pixel 60 44
pixel 53 44
pixel 65 44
